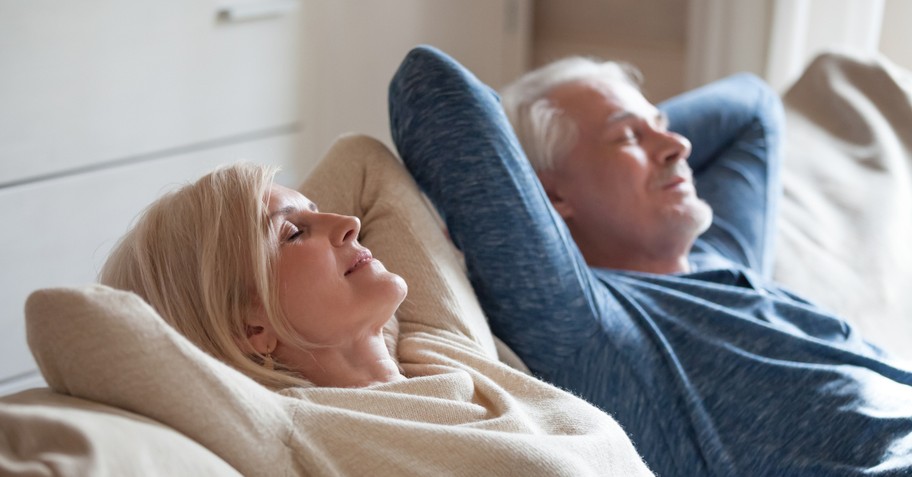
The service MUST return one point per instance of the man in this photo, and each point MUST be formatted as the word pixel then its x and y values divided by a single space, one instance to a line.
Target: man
pixel 620 178
pixel 672 326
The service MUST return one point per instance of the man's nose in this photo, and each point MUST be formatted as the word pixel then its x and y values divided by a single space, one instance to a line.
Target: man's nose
pixel 673 147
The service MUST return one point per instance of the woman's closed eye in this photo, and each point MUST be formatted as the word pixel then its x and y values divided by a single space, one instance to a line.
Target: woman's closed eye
pixel 294 232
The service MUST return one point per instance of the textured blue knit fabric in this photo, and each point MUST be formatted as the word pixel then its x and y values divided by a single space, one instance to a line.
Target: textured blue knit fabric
pixel 715 372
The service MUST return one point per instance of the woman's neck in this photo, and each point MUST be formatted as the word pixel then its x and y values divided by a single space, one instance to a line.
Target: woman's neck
pixel 359 363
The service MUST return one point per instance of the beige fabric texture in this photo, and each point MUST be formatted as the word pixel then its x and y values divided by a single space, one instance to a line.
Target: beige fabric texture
pixel 460 413
pixel 846 215
pixel 45 433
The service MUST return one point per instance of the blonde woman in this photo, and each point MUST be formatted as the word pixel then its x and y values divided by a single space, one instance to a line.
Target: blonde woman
pixel 283 288
pixel 257 276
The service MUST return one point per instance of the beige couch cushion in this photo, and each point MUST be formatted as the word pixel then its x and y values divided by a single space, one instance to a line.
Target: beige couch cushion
pixel 110 347
pixel 846 217
pixel 45 433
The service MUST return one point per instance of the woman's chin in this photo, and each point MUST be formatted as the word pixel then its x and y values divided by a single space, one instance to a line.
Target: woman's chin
pixel 389 293
pixel 400 288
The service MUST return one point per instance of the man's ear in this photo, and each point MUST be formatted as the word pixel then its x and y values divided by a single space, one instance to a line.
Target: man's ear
pixel 553 188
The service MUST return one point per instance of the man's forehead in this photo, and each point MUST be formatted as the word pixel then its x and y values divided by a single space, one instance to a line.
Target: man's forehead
pixel 602 99
pixel 590 86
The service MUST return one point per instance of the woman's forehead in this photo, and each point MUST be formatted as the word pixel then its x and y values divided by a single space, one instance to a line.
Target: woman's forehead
pixel 283 201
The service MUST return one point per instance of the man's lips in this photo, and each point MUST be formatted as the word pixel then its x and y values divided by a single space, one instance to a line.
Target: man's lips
pixel 674 182
pixel 363 258
pixel 673 177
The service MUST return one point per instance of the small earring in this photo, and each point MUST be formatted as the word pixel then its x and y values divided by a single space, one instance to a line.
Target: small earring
pixel 268 362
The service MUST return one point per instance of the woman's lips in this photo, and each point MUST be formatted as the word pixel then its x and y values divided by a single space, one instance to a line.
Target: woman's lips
pixel 363 258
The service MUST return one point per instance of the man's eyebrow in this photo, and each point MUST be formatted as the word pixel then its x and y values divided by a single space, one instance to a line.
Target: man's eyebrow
pixel 660 119
pixel 618 117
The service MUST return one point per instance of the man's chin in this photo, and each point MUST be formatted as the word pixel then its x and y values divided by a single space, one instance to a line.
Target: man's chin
pixel 703 216
pixel 685 222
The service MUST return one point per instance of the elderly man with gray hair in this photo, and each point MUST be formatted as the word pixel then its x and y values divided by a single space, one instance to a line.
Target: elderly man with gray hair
pixel 631 265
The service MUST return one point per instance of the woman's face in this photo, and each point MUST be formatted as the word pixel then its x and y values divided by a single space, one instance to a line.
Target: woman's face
pixel 330 287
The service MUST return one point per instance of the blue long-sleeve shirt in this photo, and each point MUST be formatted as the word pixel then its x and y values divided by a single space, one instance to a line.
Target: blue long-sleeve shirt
pixel 713 372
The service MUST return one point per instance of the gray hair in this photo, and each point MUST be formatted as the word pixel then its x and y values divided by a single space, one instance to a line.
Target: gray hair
pixel 544 131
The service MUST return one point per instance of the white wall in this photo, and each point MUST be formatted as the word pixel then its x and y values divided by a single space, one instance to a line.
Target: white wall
pixel 355 47
pixel 777 38
pixel 803 29
pixel 682 44
pixel 896 37
pixel 725 37
pixel 108 104
pixel 650 34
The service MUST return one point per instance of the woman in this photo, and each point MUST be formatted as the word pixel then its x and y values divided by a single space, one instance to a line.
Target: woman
pixel 266 265
pixel 260 278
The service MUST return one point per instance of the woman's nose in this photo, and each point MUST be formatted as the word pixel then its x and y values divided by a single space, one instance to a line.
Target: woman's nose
pixel 345 229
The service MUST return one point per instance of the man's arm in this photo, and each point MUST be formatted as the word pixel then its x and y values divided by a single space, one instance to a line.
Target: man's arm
pixel 531 279
pixel 735 127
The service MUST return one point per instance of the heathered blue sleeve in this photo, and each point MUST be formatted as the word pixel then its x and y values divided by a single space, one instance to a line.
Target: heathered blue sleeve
pixel 735 127
pixel 452 135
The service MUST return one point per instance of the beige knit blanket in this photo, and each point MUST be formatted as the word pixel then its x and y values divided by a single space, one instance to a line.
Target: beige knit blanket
pixel 461 412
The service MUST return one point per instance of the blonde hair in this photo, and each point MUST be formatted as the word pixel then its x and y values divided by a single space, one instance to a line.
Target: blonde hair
pixel 544 132
pixel 203 257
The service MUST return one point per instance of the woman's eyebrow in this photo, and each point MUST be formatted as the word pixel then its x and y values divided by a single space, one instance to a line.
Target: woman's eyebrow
pixel 290 209
pixel 282 212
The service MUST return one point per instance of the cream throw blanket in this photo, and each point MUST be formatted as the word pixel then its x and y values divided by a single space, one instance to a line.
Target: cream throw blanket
pixel 460 413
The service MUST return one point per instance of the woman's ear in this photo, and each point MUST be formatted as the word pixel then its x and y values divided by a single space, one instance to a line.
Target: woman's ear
pixel 258 332
pixel 260 337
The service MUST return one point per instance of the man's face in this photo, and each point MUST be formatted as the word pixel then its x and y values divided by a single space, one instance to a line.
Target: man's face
pixel 625 187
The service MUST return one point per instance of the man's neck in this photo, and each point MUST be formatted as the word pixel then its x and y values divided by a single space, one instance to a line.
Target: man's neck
pixel 665 256
pixel 639 263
